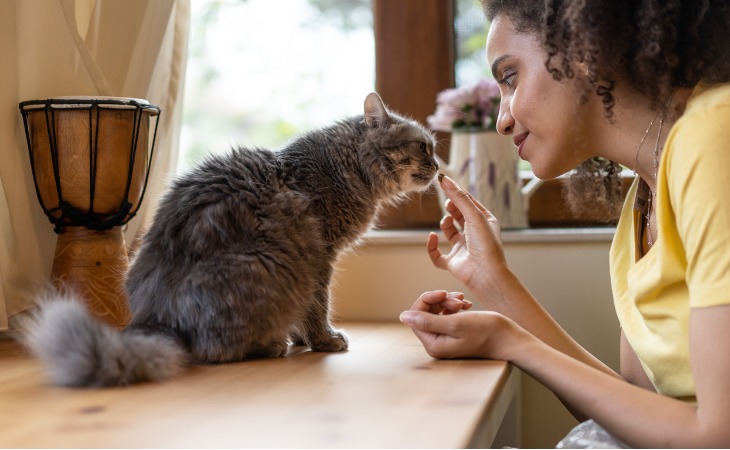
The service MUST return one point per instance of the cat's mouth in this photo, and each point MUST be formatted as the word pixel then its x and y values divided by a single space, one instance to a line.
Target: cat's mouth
pixel 423 178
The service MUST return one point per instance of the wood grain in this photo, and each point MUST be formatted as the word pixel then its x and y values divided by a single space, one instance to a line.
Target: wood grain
pixel 414 61
pixel 84 142
pixel 385 392
pixel 95 159
pixel 93 264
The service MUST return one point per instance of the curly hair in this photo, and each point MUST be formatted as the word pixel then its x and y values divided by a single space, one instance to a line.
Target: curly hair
pixel 652 45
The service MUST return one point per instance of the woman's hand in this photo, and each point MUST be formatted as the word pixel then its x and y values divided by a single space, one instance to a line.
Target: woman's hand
pixel 437 319
pixel 441 302
pixel 478 334
pixel 476 249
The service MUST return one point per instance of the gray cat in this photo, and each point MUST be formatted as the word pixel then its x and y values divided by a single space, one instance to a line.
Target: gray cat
pixel 239 258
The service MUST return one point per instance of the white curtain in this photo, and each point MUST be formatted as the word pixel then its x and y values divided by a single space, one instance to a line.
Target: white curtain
pixel 51 48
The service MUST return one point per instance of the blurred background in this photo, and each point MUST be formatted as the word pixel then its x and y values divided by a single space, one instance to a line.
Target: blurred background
pixel 260 72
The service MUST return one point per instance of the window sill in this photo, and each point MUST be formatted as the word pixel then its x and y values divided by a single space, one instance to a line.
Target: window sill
pixel 528 235
pixel 547 210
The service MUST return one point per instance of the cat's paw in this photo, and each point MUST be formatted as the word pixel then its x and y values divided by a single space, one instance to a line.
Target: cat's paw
pixel 297 340
pixel 273 350
pixel 336 342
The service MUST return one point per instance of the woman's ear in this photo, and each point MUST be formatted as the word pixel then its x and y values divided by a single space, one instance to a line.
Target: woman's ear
pixel 376 113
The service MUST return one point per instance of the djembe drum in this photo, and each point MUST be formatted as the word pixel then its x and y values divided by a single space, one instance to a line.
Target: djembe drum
pixel 90 158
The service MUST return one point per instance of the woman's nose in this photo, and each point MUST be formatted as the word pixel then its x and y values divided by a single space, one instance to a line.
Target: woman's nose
pixel 505 121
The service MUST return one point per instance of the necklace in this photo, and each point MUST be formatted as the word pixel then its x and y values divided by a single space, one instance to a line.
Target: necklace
pixel 652 192
pixel 641 142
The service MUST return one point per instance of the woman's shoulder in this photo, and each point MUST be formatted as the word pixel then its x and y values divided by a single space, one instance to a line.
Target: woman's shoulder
pixel 699 139
pixel 708 98
pixel 706 119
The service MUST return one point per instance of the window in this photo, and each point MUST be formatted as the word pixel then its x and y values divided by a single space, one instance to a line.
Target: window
pixel 260 72
pixel 470 32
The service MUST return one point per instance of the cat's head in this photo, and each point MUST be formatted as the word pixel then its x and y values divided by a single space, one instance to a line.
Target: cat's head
pixel 398 152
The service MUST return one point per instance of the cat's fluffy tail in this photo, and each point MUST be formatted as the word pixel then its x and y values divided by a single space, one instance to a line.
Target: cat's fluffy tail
pixel 78 350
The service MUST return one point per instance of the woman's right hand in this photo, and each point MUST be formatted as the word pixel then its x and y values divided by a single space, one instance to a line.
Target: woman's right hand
pixel 476 247
pixel 438 320
pixel 480 334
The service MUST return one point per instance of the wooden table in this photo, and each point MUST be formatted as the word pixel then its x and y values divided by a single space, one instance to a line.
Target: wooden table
pixel 384 392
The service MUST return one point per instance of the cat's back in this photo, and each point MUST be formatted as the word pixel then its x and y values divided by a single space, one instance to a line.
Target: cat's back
pixel 239 172
pixel 234 201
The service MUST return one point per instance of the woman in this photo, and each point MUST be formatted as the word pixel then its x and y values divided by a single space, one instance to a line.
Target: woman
pixel 644 85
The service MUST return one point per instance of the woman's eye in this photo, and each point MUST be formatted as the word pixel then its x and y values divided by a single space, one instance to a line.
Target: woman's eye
pixel 508 80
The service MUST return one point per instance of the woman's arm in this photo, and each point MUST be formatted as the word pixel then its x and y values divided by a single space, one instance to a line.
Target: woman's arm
pixel 640 417
pixel 631 368
pixel 635 415
pixel 477 259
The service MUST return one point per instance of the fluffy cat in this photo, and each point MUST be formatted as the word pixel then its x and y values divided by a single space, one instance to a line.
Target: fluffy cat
pixel 240 254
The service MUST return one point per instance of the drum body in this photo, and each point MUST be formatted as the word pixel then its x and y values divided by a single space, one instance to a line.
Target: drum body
pixel 90 158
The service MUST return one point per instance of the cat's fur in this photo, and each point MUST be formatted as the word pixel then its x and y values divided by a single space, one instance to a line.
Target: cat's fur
pixel 239 258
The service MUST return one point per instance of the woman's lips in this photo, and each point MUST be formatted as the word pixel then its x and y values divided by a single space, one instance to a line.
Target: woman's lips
pixel 519 142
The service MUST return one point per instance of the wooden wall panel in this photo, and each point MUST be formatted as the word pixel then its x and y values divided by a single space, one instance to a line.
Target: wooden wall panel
pixel 414 61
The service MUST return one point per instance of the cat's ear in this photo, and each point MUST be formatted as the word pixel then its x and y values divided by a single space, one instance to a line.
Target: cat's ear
pixel 375 111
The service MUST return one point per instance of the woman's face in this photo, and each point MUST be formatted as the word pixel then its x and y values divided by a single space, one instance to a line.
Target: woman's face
pixel 543 116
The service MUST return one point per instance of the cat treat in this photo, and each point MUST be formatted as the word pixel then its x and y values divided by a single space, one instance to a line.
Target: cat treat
pixel 238 261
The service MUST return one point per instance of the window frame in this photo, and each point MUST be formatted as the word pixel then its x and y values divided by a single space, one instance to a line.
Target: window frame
pixel 414 61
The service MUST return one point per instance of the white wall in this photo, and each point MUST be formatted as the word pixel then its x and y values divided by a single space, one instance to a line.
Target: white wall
pixel 566 269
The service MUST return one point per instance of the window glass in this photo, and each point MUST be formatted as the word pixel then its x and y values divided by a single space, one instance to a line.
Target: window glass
pixel 470 27
pixel 260 71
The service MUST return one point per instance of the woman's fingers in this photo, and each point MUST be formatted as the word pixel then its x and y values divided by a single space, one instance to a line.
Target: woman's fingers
pixel 454 213
pixel 427 299
pixel 481 334
pixel 426 322
pixel 437 258
pixel 464 207
pixel 451 233
pixel 450 205
pixel 452 305
pixel 441 302
pixel 461 199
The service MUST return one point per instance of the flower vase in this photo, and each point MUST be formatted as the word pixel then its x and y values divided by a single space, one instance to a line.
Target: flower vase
pixel 486 163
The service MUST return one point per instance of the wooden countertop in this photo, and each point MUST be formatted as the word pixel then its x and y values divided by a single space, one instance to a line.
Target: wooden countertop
pixel 385 392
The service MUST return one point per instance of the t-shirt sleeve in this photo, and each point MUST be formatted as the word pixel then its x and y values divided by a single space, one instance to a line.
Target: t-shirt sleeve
pixel 698 182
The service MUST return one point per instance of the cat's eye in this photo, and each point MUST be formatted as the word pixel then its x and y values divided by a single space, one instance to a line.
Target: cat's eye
pixel 424 148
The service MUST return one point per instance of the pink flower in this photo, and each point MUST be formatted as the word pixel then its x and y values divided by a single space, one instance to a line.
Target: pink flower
pixel 457 97
pixel 444 117
pixel 487 89
pixel 475 106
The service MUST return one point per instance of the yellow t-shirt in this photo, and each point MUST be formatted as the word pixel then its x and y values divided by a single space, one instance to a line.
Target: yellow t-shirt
pixel 689 264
